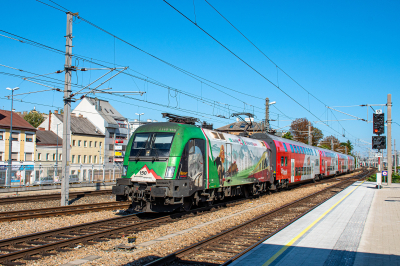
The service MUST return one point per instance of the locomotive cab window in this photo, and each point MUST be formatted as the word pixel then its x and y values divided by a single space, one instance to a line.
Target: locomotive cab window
pixel 151 145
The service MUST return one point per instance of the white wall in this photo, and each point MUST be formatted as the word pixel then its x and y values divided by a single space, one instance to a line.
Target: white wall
pixel 16 144
pixel 30 146
pixel 86 109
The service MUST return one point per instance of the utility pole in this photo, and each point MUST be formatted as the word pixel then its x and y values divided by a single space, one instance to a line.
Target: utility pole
pixel 345 147
pixel 8 179
pixel 395 156
pixel 309 134
pixel 66 148
pixel 332 144
pixel 389 138
pixel 267 114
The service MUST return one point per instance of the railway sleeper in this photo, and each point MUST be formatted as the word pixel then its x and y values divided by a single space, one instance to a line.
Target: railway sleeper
pixel 218 250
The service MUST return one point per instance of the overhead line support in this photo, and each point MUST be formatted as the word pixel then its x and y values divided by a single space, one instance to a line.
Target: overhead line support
pixel 66 148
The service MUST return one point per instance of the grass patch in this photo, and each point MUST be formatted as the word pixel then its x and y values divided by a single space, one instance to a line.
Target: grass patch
pixel 395 178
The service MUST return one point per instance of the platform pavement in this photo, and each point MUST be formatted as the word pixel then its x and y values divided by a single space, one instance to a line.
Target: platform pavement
pixel 358 226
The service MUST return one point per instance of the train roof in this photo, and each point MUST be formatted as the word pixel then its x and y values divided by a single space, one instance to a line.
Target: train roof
pixel 273 137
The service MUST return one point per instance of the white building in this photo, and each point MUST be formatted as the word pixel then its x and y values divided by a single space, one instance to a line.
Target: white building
pixel 110 122
pixel 133 125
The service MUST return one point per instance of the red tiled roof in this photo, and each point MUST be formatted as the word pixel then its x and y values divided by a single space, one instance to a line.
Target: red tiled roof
pixel 18 121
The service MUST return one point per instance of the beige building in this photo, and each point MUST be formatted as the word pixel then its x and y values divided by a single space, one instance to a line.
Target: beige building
pixel 23 148
pixel 86 140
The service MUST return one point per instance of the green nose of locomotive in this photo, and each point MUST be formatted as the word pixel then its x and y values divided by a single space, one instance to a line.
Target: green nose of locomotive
pixel 150 174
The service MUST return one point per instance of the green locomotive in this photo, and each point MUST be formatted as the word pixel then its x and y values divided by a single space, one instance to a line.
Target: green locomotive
pixel 169 166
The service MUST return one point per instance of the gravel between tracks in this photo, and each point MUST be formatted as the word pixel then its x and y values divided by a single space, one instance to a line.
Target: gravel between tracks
pixel 109 256
pixel 55 203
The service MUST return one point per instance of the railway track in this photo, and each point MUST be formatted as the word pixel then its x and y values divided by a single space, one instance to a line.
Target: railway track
pixel 231 244
pixel 58 211
pixel 55 196
pixel 35 246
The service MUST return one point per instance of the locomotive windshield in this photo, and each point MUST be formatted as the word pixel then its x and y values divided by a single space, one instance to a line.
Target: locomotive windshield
pixel 151 145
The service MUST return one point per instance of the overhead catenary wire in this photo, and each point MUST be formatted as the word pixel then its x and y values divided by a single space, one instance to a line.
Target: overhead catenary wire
pixel 210 81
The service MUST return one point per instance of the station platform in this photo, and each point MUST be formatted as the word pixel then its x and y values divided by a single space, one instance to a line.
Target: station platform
pixel 358 226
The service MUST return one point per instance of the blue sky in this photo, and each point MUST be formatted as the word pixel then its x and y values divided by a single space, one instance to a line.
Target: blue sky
pixel 344 53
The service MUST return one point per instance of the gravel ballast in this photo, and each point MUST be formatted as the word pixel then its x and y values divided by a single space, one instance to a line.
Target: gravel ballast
pixel 110 256
pixel 55 203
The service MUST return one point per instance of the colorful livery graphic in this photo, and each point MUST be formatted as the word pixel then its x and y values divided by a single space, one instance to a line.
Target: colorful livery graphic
pixel 171 166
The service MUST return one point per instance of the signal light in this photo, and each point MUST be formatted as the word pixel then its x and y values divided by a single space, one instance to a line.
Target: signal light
pixel 379 124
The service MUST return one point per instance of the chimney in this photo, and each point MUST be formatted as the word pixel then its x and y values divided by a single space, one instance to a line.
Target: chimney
pixel 56 111
pixel 72 114
pixel 80 115
pixel 49 119
pixel 98 108
pixel 41 128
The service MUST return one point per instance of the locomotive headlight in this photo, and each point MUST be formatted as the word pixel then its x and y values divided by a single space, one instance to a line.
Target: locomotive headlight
pixel 169 173
pixel 125 170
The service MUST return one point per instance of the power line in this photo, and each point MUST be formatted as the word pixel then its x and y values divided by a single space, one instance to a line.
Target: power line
pixel 278 67
pixel 247 64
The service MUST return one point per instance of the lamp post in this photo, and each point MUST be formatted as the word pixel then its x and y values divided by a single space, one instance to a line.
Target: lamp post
pixel 139 117
pixel 8 180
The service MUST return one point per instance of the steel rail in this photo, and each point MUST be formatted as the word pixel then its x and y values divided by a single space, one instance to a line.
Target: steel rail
pixel 234 232
pixel 33 246
pixel 58 211
pixel 53 196
pixel 94 231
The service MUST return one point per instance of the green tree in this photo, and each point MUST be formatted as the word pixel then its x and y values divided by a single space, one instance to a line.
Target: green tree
pixel 288 135
pixel 299 129
pixel 34 118
pixel 326 143
pixel 349 146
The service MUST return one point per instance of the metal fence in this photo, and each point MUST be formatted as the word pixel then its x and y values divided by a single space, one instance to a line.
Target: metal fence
pixel 22 175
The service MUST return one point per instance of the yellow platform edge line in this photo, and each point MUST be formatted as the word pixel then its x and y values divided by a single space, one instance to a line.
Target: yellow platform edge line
pixel 291 242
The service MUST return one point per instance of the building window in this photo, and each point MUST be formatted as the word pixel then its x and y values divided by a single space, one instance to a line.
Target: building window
pixel 1 156
pixel 95 159
pixel 79 159
pixel 95 144
pixel 111 135
pixel 14 156
pixel 54 156
pixel 79 143
pixel 111 147
pixel 28 156
pixel 1 136
pixel 84 158
pixel 110 159
pixel 90 144
pixel 90 158
pixel 29 138
pixel 73 143
pixel 39 156
pixel 15 136
pixel 73 158
pixel 100 144
pixel 60 157
pixel 85 143
pixel 47 156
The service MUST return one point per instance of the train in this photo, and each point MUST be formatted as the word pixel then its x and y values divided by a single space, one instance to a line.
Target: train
pixel 172 166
